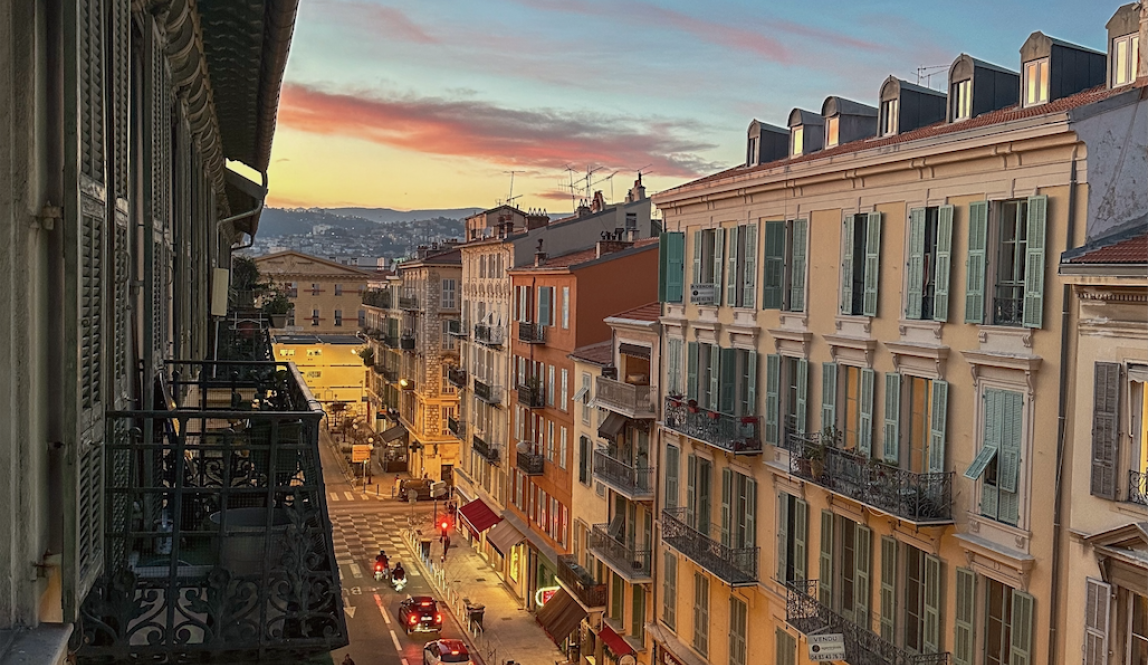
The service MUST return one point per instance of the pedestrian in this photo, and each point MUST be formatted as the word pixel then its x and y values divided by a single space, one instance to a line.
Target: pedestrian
pixel 347 660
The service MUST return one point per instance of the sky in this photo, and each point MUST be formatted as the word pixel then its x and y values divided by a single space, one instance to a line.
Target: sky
pixel 412 104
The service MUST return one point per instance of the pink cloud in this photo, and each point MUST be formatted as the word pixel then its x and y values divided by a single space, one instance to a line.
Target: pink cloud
pixel 384 22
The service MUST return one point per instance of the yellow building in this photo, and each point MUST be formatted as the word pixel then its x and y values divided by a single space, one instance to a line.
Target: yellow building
pixel 330 364
pixel 327 295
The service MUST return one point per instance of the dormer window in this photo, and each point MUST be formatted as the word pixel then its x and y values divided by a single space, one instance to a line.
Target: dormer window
pixel 889 117
pixel 1125 56
pixel 832 131
pixel 798 133
pixel 1036 82
pixel 961 98
pixel 751 153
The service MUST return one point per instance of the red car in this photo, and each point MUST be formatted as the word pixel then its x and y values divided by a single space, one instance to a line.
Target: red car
pixel 446 651
pixel 420 614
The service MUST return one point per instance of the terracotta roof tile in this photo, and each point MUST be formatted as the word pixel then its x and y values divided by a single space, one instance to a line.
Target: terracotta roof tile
pixel 585 255
pixel 648 312
pixel 1130 251
pixel 601 353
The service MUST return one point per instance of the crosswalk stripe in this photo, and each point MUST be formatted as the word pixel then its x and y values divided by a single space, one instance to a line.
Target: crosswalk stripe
pixel 355 571
pixel 333 495
pixel 350 496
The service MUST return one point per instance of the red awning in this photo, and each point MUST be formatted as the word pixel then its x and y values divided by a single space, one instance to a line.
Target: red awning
pixel 619 646
pixel 479 516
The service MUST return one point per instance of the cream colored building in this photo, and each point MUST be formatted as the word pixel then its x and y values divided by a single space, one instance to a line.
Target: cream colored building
pixel 330 364
pixel 327 295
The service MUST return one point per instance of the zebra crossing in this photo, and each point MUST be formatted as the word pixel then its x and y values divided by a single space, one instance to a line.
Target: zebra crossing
pixel 359 537
pixel 345 496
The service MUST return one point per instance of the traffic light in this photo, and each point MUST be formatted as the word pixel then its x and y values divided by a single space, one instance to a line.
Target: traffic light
pixel 444 525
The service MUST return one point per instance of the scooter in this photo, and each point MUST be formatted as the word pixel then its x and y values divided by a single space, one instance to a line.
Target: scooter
pixel 380 571
pixel 399 584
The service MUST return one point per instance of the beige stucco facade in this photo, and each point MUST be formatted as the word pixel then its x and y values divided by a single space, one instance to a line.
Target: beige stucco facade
pixel 327 295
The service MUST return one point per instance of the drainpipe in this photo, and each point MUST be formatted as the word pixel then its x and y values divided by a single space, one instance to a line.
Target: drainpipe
pixel 243 215
pixel 1062 405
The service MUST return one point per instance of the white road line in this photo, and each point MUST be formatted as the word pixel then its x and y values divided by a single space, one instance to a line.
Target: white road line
pixel 382 610
pixel 333 495
pixel 405 662
pixel 413 573
pixel 355 572
pixel 395 639
pixel 350 495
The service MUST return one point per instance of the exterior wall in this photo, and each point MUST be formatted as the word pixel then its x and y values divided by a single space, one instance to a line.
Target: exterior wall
pixel 304 271
pixel 1117 139
pixel 333 372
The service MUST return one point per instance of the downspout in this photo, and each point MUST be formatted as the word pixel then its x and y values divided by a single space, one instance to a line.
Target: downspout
pixel 244 215
pixel 1061 418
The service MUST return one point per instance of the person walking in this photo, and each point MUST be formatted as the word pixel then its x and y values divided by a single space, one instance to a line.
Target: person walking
pixel 347 660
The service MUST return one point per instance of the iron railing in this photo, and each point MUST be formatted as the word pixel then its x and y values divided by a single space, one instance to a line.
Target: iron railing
pixel 737 566
pixel 489 335
pixel 380 298
pixel 486 392
pixel 1138 487
pixel 391 375
pixel 917 497
pixel 251 342
pixel 456 328
pixel 409 303
pixel 532 333
pixel 625 398
pixel 531 396
pixel 456 376
pixel 807 614
pixel 740 435
pixel 633 564
pixel 581 582
pixel 532 464
pixel 217 541
pixel 407 341
pixel 634 483
pixel 456 426
pixel 1008 306
pixel 485 449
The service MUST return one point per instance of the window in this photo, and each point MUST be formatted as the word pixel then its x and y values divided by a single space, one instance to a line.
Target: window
pixel 671 266
pixel 1125 58
pixel 291 317
pixel 860 264
pixel 751 152
pixel 565 307
pixel 338 317
pixel 670 589
pixel 293 289
pixel 699 475
pixel 701 642
pixel 362 318
pixel 723 380
pixel 927 275
pixel 786 388
pixel 315 290
pixel 545 305
pixel 550 441
pixel 845 567
pixel 1007 624
pixel 631 221
pixel 785 647
pixel 738 613
pixel 1112 461
pixel 338 289
pixel 832 131
pixel 637 612
pixel 709 250
pixel 674 366
pixel 797 144
pixel 855 422
pixel 792 534
pixel 783 282
pixel 742 270
pixel 911 598
pixel 915 418
pixel 961 99
pixel 889 111
pixel 997 464
pixel 585 460
pixel 449 294
pixel 564 395
pixel 738 510
pixel 585 392
pixel 1017 276
pixel 550 385
pixel 315 317
pixel 445 414
pixel 617 596
pixel 448 341
pixel 447 387
pixel 1036 82
pixel 562 448
pixel 672 466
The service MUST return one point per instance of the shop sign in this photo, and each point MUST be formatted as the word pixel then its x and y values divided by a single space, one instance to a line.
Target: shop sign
pixel 360 454
pixel 667 658
pixel 543 595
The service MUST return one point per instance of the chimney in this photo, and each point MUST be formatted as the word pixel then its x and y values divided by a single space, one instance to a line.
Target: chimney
pixel 598 204
pixel 536 218
pixel 609 245
pixel 539 256
pixel 638 191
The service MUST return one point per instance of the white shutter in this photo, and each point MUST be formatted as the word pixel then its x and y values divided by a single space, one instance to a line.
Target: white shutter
pixel 1097 606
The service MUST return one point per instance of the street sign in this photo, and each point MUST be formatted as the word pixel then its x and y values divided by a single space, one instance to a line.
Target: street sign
pixel 830 646
pixel 438 488
pixel 360 453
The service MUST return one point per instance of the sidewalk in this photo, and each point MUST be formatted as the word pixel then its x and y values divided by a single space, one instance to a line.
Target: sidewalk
pixel 511 633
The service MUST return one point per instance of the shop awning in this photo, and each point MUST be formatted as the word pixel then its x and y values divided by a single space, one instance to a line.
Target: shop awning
pixel 394 433
pixel 561 615
pixel 479 516
pixel 611 425
pixel 619 646
pixel 503 537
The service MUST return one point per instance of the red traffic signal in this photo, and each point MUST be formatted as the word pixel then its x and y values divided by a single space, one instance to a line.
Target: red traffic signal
pixel 445 524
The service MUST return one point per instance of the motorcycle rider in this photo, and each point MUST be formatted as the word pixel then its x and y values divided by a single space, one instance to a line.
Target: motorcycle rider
pixel 381 565
pixel 398 575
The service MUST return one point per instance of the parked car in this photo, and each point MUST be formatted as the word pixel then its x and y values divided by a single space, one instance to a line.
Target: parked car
pixel 421 487
pixel 420 614
pixel 446 651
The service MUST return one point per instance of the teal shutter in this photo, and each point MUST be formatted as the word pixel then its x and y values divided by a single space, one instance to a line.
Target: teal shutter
pixel 715 377
pixel 705 491
pixel 772 398
pixel 931 634
pixel 698 278
pixel 785 647
pixel 938 416
pixel 1008 459
pixel 964 632
pixel 728 395
pixel 865 417
pixel 691 490
pixel 773 277
pixel 1021 623
pixel 828 396
pixel 888 588
pixel 847 265
pixel 802 395
pixel 750 384
pixel 800 537
pixel 892 439
pixel 718 263
pixel 825 576
pixel 782 531
pixel 862 566
pixel 726 500
pixel 1105 429
pixel 748 523
pixel 673 456
pixel 944 263
pixel 663 265
pixel 675 266
pixel 749 272
pixel 975 266
pixel 544 306
pixel 673 366
pixel 797 266
pixel 872 264
pixel 731 294
pixel 915 271
pixel 1033 314
pixel 692 371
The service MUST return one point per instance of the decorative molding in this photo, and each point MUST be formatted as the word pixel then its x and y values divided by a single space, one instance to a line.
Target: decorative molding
pixel 792 342
pixel 999 562
pixel 855 350
pixel 855 326
pixel 1003 339
pixel 926 360
pixel 1029 364
pixel 706 331
pixel 923 332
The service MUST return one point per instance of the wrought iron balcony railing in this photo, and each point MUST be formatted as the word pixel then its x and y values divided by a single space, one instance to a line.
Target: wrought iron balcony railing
pixel 486 392
pixel 389 340
pixel 380 298
pixel 485 449
pixel 633 564
pixel 630 400
pixel 456 328
pixel 456 376
pixel 1008 305
pixel 457 427
pixel 807 614
pixel 922 498
pixel 531 396
pixel 409 303
pixel 532 464
pixel 217 543
pixel 580 582
pixel 490 335
pixel 737 566
pixel 407 342
pixel 636 484
pixel 391 375
pixel 532 333
pixel 1138 487
pixel 740 435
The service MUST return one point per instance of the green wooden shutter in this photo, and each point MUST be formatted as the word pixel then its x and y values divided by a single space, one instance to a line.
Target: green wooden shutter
pixel 726 501
pixel 692 370
pixel 544 297
pixel 750 384
pixel 673 465
pixel 749 515
pixel 728 395
pixel 691 490
pixel 1021 625
pixel 698 278
pixel 975 265
pixel 773 266
pixel 772 398
pixel 663 265
pixel 749 272
pixel 915 271
pixel 931 634
pixel 800 538
pixel 1034 262
pixel 782 531
pixel 802 395
pixel 1008 459
pixel 797 266
pixel 675 266
pixel 847 264
pixel 828 395
pixel 888 588
pixel 865 415
pixel 825 575
pixel 1105 429
pixel 705 492
pixel 938 417
pixel 785 647
pixel 872 264
pixel 964 631
pixel 731 294
pixel 718 263
pixel 943 264
pixel 891 448
pixel 713 356
pixel 862 566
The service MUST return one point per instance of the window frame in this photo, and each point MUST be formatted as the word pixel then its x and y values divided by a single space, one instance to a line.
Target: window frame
pixel 796 140
pixel 1035 75
pixel 1126 74
pixel 832 131
pixel 889 117
pixel 961 100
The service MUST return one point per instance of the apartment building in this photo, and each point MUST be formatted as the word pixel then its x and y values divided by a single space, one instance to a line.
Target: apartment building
pixel 383 321
pixel 859 432
pixel 327 295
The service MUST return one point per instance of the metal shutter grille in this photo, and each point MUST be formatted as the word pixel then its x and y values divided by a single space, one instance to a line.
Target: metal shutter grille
pixel 1105 429
pixel 90 510
pixel 120 17
pixel 91 307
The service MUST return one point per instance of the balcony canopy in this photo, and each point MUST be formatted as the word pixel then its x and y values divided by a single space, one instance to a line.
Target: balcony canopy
pixel 479 516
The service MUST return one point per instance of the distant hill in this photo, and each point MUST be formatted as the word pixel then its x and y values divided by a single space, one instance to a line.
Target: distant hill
pixel 386 215
pixel 275 222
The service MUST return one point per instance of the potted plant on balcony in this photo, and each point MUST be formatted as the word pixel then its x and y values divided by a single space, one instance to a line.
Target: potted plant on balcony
pixel 692 405
pixel 367 355
pixel 276 305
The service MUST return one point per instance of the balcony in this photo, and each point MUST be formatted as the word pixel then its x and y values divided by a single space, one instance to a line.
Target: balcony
pixel 532 464
pixel 489 335
pixel 456 426
pixel 245 340
pixel 740 435
pixel 531 396
pixel 1138 488
pixel 456 328
pixel 632 564
pixel 456 376
pixel 805 612
pixel 407 341
pixel 486 450
pixel 216 536
pixel 391 375
pixel 532 333
pixel 581 583
pixel 636 484
pixel 735 566
pixel 380 298
pixel 486 392
pixel 921 498
pixel 628 399
pixel 409 303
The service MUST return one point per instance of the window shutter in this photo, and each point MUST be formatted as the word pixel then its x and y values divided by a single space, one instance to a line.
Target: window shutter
pixel 731 269
pixel 670 590
pixel 892 437
pixel 797 267
pixel 751 384
pixel 785 651
pixel 749 515
pixel 865 417
pixel 728 395
pixel 663 265
pixel 1020 647
pixel 862 565
pixel 932 630
pixel 938 416
pixel 674 366
pixel 828 395
pixel 872 264
pixel 1034 262
pixel 718 263
pixel 1096 617
pixel 1105 429
pixel 691 490
pixel 802 395
pixel 726 500
pixel 772 398
pixel 847 260
pixel 715 377
pixel 705 491
pixel 825 575
pixel 964 631
pixel 782 531
pixel 774 265
pixel 1008 459
pixel 915 272
pixel 749 273
pixel 698 277
pixel 673 462
pixel 544 294
pixel 800 538
pixel 888 588
pixel 675 266
pixel 975 266
pixel 692 370
pixel 944 263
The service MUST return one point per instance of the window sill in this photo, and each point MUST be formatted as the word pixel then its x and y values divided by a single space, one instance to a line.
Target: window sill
pixel 1005 339
pixel 854 326
pixel 1011 537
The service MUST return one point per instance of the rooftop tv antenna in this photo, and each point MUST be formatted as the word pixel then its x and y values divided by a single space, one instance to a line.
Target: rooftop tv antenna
pixel 511 197
pixel 927 72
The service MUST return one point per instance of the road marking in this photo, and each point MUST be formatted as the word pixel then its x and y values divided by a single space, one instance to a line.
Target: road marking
pixel 349 610
pixel 413 573
pixel 355 572
pixel 350 496
pixel 334 496
pixel 382 610
pixel 405 662
pixel 395 639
